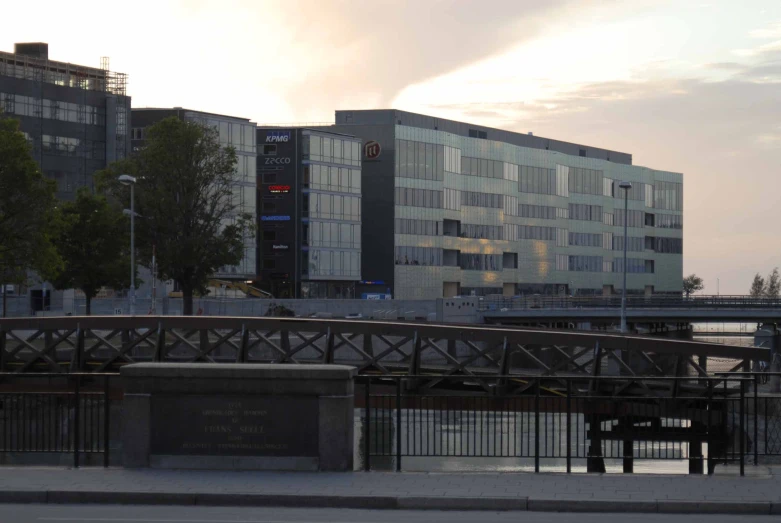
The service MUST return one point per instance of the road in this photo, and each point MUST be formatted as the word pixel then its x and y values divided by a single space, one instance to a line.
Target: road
pixel 191 514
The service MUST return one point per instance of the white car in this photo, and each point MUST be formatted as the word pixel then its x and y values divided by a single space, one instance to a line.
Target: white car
pixel 354 316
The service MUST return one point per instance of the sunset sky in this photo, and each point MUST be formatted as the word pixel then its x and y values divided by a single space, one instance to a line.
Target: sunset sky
pixel 685 86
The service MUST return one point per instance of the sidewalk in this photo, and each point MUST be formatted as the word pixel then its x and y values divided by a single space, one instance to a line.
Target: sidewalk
pixel 757 493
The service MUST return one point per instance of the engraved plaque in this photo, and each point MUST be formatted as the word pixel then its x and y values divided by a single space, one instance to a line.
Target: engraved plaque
pixel 234 426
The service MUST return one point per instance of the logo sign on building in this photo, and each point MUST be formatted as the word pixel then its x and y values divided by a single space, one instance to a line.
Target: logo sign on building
pixel 276 218
pixel 279 189
pixel 278 137
pixel 280 246
pixel 372 150
pixel 277 161
pixel 375 296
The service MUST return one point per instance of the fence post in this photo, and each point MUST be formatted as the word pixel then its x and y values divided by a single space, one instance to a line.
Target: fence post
pixel 398 424
pixel 569 425
pixel 2 350
pixel 160 343
pixel 367 427
pixel 709 408
pixel 76 423
pixel 537 426
pixel 756 420
pixel 742 434
pixel 106 422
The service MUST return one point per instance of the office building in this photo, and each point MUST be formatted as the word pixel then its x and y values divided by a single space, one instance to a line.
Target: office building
pixel 451 208
pixel 236 132
pixel 75 117
pixel 309 213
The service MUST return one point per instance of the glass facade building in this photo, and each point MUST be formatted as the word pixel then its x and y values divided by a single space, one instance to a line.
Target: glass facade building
pixel 75 117
pixel 310 214
pixel 452 208
pixel 238 133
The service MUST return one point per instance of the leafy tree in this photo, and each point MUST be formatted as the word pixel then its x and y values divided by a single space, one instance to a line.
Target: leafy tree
pixel 757 286
pixel 93 239
pixel 692 283
pixel 184 195
pixel 27 202
pixel 773 285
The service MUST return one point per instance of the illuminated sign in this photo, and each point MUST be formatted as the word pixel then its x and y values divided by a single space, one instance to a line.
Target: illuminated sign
pixel 280 247
pixel 275 218
pixel 372 150
pixel 279 189
pixel 278 137
pixel 372 282
pixel 277 161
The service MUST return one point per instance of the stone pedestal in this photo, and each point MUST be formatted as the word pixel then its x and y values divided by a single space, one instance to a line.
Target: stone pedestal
pixel 238 416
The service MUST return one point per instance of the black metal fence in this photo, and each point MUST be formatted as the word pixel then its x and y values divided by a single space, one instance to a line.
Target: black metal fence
pixel 55 413
pixel 565 419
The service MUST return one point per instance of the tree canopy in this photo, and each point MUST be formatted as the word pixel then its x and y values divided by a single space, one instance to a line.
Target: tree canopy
pixel 185 201
pixel 27 203
pixel 92 238
pixel 692 283
pixel 773 284
pixel 757 286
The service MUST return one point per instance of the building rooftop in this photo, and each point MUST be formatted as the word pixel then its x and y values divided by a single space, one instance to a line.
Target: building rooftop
pixel 184 109
pixel 422 121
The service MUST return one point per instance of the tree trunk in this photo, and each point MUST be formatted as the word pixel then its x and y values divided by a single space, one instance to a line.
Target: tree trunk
pixel 88 311
pixel 187 301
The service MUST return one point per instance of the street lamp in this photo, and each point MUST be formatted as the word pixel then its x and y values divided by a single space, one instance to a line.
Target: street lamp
pixel 126 179
pixel 625 186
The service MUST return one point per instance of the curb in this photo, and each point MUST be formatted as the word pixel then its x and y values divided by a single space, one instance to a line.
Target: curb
pixel 390 502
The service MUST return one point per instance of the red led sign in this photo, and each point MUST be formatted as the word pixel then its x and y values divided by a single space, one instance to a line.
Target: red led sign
pixel 279 189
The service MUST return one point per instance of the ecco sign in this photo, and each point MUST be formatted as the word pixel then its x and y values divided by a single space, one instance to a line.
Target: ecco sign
pixel 277 161
pixel 278 137
pixel 372 150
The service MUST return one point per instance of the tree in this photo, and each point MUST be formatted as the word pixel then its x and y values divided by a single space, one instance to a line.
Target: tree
pixel 92 238
pixel 773 285
pixel 692 283
pixel 757 286
pixel 184 195
pixel 27 203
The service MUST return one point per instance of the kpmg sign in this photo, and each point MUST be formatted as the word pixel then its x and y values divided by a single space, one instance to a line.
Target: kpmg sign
pixel 278 137
pixel 275 218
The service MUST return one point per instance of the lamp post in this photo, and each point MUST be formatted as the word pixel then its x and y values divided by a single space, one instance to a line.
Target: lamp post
pixel 625 186
pixel 126 179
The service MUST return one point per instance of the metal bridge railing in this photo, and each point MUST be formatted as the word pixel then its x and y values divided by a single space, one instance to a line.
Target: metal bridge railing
pixel 580 420
pixel 639 302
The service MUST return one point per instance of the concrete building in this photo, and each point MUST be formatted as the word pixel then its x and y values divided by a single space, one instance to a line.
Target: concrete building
pixel 451 208
pixel 309 213
pixel 76 117
pixel 236 132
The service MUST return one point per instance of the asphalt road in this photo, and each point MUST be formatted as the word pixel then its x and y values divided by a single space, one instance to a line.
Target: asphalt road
pixel 170 514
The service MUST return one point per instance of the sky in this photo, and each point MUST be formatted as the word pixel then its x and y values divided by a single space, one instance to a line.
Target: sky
pixel 685 86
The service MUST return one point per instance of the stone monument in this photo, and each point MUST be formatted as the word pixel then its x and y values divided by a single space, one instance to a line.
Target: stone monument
pixel 238 416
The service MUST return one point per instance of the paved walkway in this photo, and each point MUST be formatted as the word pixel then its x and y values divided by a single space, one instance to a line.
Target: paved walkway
pixel 758 493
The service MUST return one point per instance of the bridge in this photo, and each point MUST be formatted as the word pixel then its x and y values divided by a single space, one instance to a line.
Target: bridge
pixel 640 309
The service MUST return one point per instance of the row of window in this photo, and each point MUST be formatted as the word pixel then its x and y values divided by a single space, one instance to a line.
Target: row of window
pixel 542 212
pixel 332 207
pixel 321 263
pixel 633 244
pixel 514 232
pixel 420 160
pixel 669 221
pixel 332 234
pixel 484 168
pixel 537 180
pixel 331 150
pixel 57 76
pixel 635 218
pixel 419 197
pixel 419 227
pixel 585 181
pixel 585 239
pixel 584 211
pixel 330 178
pixel 418 256
pixel 481 199
pixel 580 263
pixel 668 196
pixel 484 232
pixel 480 262
pixel 68 146
pixel 52 109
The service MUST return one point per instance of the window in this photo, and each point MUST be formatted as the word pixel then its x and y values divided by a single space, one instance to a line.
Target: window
pixel 427 256
pixel 649 219
pixel 583 211
pixel 453 199
pixel 668 196
pixel 511 205
pixel 585 263
pixel 562 262
pixel 419 160
pixel 669 221
pixel 585 181
pixel 537 180
pixel 582 153
pixel 635 218
pixel 668 245
pixel 633 265
pixel 486 232
pixel 269 149
pixel 419 197
pixel 634 244
pixel 480 262
pixel 541 212
pixel 473 133
pixel 419 227
pixel 562 238
pixel 585 239
pixel 479 199
pixel 482 134
pixel 514 232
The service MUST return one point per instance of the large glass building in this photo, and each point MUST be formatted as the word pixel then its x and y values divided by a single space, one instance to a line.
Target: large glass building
pixel 451 208
pixel 75 117
pixel 309 215
pixel 238 133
